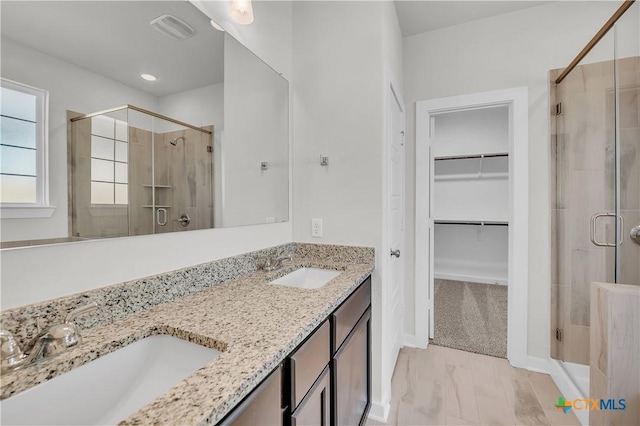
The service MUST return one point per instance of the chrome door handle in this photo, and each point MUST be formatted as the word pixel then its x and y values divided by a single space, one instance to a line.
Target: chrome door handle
pixel 635 235
pixel 163 221
pixel 395 253
pixel 594 222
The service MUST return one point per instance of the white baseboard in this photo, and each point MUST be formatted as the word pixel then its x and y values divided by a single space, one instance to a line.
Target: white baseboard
pixel 568 388
pixel 411 341
pixel 379 412
pixel 538 365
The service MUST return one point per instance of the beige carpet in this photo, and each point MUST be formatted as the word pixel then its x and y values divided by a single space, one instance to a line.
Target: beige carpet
pixel 471 317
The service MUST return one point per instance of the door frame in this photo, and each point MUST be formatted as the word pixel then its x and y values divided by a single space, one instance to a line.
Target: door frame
pixel 518 264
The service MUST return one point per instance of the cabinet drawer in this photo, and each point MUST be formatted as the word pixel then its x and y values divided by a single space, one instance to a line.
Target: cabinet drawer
pixel 307 363
pixel 261 407
pixel 348 314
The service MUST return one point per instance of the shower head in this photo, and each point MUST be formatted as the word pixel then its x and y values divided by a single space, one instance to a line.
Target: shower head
pixel 174 141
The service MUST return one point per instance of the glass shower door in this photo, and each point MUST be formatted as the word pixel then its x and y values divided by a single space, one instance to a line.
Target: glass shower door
pixel 142 211
pixel 596 154
pixel 627 64
pixel 585 199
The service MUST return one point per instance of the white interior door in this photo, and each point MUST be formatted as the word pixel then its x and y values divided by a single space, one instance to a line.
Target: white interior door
pixel 396 225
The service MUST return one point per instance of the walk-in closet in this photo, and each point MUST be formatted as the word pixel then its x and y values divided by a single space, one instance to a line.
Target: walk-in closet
pixel 470 202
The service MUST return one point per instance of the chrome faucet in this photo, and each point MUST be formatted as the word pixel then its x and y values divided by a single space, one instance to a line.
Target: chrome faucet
pixel 55 340
pixel 270 263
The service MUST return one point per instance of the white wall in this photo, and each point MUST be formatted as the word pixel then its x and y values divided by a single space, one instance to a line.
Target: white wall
pixel 70 88
pixel 201 107
pixel 511 50
pixel 256 103
pixel 38 273
pixel 341 51
pixel 270 39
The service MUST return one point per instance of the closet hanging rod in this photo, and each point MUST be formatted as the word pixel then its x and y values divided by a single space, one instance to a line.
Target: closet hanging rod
pixel 481 223
pixel 464 157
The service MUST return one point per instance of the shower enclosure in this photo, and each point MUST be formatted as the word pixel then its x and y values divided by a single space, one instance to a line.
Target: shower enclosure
pixel 595 148
pixel 135 172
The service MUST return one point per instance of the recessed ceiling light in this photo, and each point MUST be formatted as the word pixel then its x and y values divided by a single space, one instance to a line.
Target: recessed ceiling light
pixel 149 77
pixel 216 26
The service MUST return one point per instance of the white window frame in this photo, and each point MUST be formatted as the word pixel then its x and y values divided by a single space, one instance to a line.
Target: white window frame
pixel 41 208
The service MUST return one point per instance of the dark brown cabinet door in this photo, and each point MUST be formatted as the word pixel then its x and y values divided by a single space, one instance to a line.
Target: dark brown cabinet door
pixel 351 368
pixel 315 409
pixel 263 406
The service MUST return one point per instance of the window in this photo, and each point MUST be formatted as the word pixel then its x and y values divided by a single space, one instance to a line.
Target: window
pixel 23 146
pixel 109 161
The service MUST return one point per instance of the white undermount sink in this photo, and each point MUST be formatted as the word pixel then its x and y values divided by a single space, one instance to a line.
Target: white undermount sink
pixel 307 278
pixel 111 388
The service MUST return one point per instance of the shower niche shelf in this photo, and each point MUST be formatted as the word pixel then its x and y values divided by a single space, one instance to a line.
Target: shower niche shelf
pixel 159 198
pixel 162 198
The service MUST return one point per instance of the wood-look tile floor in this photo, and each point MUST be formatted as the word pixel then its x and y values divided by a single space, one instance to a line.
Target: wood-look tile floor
pixel 443 386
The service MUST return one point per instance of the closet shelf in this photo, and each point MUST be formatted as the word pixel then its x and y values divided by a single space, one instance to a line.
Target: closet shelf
pixel 450 221
pixel 157 186
pixel 467 176
pixel 470 156
pixel 157 206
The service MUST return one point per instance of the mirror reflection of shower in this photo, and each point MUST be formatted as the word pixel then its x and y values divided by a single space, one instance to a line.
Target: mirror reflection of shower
pixel 174 141
pixel 136 172
pixel 180 198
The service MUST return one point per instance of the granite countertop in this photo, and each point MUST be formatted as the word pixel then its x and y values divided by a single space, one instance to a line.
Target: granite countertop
pixel 253 324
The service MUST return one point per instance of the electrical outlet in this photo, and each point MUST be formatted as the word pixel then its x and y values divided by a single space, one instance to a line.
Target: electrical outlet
pixel 316 228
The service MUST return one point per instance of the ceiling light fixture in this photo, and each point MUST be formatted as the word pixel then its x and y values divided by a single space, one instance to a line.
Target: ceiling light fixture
pixel 242 11
pixel 216 26
pixel 148 77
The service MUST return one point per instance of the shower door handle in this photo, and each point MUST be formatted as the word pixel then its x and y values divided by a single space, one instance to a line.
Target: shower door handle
pixel 594 223
pixel 163 221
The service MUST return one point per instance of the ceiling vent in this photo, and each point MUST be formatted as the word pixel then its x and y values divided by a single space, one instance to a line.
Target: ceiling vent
pixel 172 27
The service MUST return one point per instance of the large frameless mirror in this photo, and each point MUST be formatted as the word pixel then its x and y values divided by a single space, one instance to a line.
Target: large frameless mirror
pixel 157 124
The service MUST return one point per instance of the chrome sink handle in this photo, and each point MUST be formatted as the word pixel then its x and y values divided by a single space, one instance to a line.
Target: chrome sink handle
pixel 57 339
pixel 270 263
pixel 10 353
pixel 62 337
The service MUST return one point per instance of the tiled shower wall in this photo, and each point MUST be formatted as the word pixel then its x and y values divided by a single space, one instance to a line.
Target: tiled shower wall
pixel 183 173
pixel 187 168
pixel 584 183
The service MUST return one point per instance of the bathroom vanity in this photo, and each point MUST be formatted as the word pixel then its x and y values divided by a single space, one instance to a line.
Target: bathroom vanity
pixel 287 355
pixel 325 380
